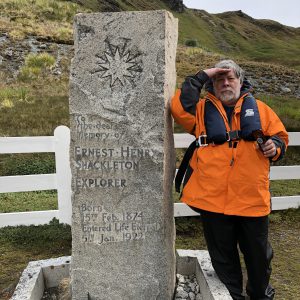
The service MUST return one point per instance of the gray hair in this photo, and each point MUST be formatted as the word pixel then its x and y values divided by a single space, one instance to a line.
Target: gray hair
pixel 230 64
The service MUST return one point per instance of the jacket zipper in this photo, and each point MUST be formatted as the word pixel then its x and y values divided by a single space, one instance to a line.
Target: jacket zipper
pixel 230 126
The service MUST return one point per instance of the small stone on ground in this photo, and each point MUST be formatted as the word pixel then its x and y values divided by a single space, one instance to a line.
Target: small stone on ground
pixel 187 288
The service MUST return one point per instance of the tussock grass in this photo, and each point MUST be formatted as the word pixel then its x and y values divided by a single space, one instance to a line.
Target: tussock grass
pixel 285 187
pixel 230 34
pixel 36 236
pixel 11 95
pixel 36 65
pixel 39 117
pixel 37 102
pixel 47 18
pixel 40 60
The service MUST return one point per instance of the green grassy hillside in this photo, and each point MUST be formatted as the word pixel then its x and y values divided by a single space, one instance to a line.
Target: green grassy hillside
pixel 232 33
pixel 261 40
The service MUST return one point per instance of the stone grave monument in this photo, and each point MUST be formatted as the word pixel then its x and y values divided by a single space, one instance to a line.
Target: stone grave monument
pixel 122 158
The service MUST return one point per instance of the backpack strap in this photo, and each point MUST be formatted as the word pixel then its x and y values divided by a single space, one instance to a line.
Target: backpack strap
pixel 184 165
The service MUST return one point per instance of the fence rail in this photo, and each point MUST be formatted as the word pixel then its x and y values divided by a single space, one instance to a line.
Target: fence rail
pixel 61 180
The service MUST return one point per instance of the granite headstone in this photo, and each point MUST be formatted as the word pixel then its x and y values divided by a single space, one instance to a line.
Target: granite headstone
pixel 122 158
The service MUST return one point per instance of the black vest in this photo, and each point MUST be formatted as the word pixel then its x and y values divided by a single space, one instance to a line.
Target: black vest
pixel 215 126
pixel 216 131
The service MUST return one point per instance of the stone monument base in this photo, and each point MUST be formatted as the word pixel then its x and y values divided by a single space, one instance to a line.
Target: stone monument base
pixel 48 273
pixel 40 275
pixel 198 262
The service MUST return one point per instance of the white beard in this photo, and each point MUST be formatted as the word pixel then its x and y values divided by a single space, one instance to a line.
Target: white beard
pixel 228 97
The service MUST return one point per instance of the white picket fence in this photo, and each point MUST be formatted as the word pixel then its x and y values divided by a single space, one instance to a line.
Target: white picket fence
pixel 61 180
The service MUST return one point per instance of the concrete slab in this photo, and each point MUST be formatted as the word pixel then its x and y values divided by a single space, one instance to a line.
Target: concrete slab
pixel 39 275
pixel 198 262
pixel 48 273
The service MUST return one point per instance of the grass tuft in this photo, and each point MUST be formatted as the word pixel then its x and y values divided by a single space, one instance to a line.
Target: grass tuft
pixel 10 95
pixel 36 65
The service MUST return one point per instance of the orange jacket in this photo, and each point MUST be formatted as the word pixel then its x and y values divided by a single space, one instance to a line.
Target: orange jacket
pixel 223 179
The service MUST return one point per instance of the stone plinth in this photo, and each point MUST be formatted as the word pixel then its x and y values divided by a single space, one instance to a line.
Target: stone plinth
pixel 122 158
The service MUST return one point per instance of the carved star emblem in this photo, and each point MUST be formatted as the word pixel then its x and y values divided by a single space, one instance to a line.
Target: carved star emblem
pixel 118 67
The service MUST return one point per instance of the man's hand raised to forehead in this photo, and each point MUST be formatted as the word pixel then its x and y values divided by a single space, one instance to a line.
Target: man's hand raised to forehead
pixel 216 71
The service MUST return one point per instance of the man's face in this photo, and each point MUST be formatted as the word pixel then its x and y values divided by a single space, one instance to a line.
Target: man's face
pixel 227 87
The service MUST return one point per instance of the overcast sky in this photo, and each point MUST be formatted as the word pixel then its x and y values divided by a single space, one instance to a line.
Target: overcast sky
pixel 286 12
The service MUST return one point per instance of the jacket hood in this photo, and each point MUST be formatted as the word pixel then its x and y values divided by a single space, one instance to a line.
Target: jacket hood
pixel 246 87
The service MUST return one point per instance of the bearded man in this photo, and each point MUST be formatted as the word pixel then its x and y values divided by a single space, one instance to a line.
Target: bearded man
pixel 227 173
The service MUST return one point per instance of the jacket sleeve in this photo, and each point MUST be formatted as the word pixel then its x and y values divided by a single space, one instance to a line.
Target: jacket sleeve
pixel 274 128
pixel 280 148
pixel 184 102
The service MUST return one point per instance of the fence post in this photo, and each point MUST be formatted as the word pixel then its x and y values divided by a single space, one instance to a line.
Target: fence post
pixel 63 173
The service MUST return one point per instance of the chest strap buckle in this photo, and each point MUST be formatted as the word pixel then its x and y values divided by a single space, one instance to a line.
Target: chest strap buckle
pixel 233 135
pixel 201 141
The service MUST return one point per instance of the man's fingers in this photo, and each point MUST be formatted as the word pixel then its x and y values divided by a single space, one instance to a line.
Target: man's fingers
pixel 268 148
pixel 267 145
pixel 269 153
pixel 214 71
pixel 221 70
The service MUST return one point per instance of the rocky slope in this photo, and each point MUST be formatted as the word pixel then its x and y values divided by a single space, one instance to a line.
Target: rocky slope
pixel 268 50
pixel 13 54
pixel 266 78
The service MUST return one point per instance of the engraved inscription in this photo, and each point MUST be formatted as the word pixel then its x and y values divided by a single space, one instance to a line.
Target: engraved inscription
pixel 103 159
pixel 109 159
pixel 104 167
pixel 99 131
pixel 101 227
pixel 86 183
pixel 101 162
